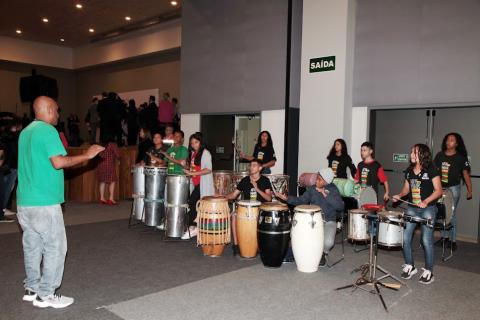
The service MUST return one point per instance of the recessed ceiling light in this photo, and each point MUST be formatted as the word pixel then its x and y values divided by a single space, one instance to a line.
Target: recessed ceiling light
pixel 45 20
pixel 62 40
pixel 79 6
pixel 128 18
pixel 173 3
pixel 91 30
pixel 18 31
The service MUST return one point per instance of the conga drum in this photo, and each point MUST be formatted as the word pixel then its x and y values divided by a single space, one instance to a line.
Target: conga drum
pixel 213 225
pixel 273 233
pixel 246 223
pixel 307 237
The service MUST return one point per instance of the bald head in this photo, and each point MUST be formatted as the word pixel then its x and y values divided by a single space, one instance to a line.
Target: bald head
pixel 46 109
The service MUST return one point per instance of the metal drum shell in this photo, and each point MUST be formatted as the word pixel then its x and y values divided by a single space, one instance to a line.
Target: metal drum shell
pixel 155 179
pixel 390 229
pixel 138 205
pixel 175 221
pixel 178 189
pixel 358 225
pixel 138 177
pixel 154 212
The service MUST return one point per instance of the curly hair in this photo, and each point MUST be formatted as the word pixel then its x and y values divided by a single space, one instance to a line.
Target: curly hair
pixel 424 156
pixel 344 150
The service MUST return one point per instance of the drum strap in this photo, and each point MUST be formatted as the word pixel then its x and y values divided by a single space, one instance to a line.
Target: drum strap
pixel 168 205
pixel 135 195
pixel 154 200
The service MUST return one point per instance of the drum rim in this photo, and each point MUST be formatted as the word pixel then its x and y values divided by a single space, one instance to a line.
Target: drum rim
pixel 307 208
pixel 214 199
pixel 358 211
pixel 249 203
pixel 273 206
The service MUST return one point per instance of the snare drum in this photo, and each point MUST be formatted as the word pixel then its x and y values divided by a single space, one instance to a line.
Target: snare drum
pixel 213 225
pixel 390 228
pixel 307 237
pixel 358 225
pixel 446 206
pixel 246 223
pixel 365 195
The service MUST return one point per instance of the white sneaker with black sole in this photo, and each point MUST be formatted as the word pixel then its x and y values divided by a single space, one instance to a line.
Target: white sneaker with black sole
pixel 427 277
pixel 56 301
pixel 29 295
pixel 408 271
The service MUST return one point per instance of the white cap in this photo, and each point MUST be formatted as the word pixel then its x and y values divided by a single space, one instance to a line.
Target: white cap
pixel 327 174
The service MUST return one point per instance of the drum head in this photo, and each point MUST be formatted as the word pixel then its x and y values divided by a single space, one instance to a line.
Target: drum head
pixel 307 208
pixel 214 198
pixel 249 203
pixel 449 205
pixel 358 211
pixel 390 215
pixel 367 195
pixel 273 206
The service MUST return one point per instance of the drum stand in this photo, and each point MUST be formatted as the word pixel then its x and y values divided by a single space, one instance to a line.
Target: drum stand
pixel 369 273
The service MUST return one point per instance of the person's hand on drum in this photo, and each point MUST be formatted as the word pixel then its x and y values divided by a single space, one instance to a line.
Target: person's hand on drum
pixel 386 197
pixel 281 196
pixel 93 150
pixel 187 172
pixel 396 198
pixel 422 204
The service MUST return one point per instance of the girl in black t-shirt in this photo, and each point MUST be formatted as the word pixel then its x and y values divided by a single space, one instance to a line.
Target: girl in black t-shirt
pixel 263 151
pixel 454 165
pixel 423 188
pixel 339 160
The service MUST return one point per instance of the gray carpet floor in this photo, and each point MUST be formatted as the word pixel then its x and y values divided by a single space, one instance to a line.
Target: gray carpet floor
pixel 118 273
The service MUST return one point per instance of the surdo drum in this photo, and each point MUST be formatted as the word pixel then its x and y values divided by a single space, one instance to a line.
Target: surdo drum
pixel 178 189
pixel 274 225
pixel 138 192
pixel 155 178
pixel 213 225
pixel 246 226
pixel 358 225
pixel 307 237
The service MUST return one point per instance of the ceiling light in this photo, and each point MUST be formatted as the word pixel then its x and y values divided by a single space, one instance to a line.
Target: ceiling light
pixel 79 6
pixel 173 3
pixel 62 40
pixel 18 31
pixel 91 30
pixel 128 18
pixel 45 20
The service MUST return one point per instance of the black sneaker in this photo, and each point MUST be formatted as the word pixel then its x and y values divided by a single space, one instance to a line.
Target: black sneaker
pixel 289 260
pixel 323 261
pixel 408 271
pixel 6 219
pixel 29 295
pixel 427 277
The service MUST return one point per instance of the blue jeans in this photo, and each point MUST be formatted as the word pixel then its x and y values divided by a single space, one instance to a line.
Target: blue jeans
pixel 44 238
pixel 7 184
pixel 456 192
pixel 429 212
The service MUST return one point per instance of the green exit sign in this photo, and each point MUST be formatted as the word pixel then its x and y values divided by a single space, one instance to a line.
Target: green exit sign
pixel 322 64
pixel 400 157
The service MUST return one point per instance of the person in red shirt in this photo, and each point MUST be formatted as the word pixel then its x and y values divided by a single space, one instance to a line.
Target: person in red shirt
pixel 370 172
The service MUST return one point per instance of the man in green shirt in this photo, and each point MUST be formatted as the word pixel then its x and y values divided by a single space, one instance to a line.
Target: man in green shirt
pixel 40 191
pixel 177 154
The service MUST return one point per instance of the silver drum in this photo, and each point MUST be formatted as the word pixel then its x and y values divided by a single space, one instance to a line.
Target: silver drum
pixel 155 182
pixel 390 229
pixel 358 225
pixel 138 205
pixel 154 210
pixel 138 181
pixel 178 190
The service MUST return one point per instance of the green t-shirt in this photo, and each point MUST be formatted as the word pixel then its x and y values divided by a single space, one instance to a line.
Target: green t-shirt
pixel 39 183
pixel 178 153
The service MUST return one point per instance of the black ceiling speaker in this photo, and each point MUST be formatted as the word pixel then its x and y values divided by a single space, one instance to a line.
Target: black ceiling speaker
pixel 37 85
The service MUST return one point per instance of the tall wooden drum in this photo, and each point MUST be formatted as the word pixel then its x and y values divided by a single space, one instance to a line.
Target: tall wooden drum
pixel 213 225
pixel 246 223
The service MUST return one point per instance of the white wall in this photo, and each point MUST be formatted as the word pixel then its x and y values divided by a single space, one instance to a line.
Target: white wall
pixel 35 53
pixel 325 97
pixel 359 126
pixel 190 125
pixel 273 121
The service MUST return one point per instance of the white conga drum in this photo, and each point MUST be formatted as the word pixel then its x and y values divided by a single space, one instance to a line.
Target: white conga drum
pixel 307 237
pixel 246 223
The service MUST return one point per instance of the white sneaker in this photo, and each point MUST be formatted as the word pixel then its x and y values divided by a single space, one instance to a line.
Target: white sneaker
pixel 188 235
pixel 427 277
pixel 161 227
pixel 408 271
pixel 9 213
pixel 56 301
pixel 29 295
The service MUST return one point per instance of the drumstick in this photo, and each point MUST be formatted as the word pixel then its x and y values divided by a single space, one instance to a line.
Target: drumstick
pixel 407 202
